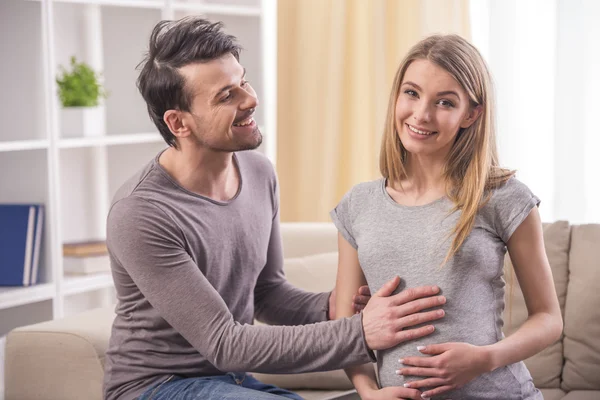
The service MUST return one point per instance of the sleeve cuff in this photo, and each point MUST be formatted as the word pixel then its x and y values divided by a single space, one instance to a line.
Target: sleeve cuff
pixel 370 352
pixel 519 218
pixel 342 229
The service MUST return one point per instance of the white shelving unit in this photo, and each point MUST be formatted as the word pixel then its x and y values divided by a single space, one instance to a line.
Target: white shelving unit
pixel 75 177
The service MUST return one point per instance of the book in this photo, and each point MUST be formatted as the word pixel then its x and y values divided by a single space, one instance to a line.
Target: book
pixel 39 229
pixel 18 243
pixel 85 249
pixel 86 265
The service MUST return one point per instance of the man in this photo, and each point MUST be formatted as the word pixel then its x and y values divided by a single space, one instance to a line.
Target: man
pixel 196 251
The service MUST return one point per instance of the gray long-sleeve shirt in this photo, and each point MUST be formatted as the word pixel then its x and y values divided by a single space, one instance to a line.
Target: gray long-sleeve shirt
pixel 191 274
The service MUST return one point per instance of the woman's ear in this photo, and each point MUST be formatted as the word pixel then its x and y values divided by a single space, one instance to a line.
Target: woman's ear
pixel 472 116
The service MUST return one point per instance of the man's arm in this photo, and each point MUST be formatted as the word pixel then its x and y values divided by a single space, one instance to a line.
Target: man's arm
pixel 153 254
pixel 276 301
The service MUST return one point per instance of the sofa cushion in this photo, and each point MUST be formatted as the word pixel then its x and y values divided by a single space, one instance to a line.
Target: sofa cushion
pixel 300 239
pixel 582 395
pixel 72 348
pixel 552 394
pixel 582 313
pixel 315 273
pixel 545 367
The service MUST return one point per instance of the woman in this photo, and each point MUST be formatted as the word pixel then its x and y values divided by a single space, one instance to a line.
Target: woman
pixel 445 214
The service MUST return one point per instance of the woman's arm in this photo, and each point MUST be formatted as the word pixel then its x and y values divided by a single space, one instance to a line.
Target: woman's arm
pixel 544 324
pixel 349 278
pixel 455 364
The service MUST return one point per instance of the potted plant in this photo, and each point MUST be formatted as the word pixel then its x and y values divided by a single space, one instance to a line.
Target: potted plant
pixel 80 93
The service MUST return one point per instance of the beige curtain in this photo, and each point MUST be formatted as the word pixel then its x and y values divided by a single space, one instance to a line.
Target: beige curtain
pixel 336 62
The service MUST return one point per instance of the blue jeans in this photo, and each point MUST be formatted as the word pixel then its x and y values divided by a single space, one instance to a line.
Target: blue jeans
pixel 231 386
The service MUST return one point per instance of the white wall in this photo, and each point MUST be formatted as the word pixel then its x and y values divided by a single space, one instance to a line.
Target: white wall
pixel 543 57
pixel 22 110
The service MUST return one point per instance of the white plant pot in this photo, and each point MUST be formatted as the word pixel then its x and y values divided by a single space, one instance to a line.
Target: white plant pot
pixel 83 121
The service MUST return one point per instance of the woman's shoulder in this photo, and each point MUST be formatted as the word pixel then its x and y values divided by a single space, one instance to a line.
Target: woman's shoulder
pixel 509 191
pixel 510 188
pixel 364 191
pixel 509 204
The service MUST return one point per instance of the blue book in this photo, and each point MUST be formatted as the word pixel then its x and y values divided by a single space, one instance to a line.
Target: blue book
pixel 18 242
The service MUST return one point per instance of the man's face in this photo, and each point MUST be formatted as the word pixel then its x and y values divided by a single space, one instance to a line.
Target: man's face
pixel 221 116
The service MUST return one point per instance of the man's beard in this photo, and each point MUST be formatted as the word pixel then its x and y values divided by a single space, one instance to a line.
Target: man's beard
pixel 238 145
pixel 256 133
pixel 232 145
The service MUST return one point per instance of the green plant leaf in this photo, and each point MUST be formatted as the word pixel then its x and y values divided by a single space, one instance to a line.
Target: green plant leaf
pixel 79 87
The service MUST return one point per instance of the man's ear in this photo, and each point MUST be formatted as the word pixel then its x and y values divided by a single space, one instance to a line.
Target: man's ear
pixel 472 116
pixel 177 123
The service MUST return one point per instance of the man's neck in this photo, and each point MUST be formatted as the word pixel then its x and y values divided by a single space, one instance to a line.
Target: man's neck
pixel 204 172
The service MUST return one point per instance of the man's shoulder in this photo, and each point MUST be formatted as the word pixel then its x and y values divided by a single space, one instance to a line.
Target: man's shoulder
pixel 255 163
pixel 133 182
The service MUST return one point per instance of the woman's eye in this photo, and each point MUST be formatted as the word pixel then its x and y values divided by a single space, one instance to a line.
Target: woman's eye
pixel 411 93
pixel 446 103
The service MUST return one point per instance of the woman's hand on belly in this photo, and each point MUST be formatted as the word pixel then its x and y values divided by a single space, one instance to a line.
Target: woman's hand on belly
pixel 451 365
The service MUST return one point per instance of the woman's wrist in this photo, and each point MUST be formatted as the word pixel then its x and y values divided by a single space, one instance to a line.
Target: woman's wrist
pixel 490 357
pixel 366 390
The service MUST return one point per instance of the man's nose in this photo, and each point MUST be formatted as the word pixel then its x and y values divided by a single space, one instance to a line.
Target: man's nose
pixel 250 101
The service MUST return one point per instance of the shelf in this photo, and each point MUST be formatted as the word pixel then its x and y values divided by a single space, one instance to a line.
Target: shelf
pixel 220 9
pixel 18 296
pixel 75 284
pixel 19 145
pixel 110 140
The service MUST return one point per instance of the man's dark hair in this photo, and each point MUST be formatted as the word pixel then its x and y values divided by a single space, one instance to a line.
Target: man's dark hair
pixel 174 44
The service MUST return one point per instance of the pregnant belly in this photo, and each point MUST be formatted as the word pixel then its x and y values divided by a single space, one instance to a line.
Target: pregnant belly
pixel 511 382
pixel 450 329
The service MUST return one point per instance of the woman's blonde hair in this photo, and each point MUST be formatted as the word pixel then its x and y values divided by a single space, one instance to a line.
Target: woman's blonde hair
pixel 471 168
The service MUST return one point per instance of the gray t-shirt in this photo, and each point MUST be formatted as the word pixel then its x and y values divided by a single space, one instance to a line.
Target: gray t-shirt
pixel 192 273
pixel 412 242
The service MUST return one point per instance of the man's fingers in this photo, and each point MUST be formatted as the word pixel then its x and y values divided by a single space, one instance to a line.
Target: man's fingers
pixel 408 295
pixel 360 299
pixel 364 290
pixel 419 318
pixel 388 288
pixel 415 333
pixel 416 306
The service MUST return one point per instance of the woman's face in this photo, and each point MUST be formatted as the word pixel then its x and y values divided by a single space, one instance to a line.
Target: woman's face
pixel 430 109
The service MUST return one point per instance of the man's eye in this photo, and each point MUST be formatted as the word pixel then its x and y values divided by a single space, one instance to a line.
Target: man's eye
pixel 225 98
pixel 245 83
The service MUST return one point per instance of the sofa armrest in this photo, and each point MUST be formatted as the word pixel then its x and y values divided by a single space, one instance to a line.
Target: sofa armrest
pixel 65 358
